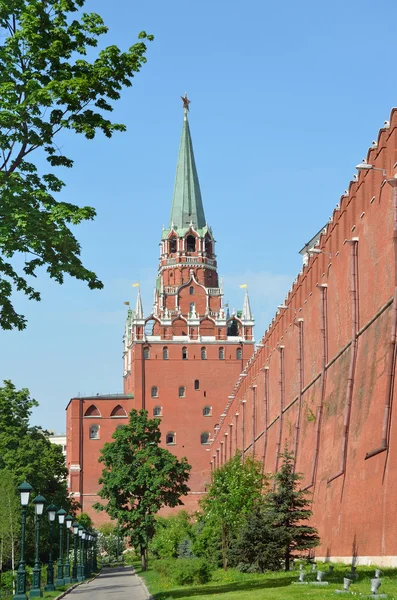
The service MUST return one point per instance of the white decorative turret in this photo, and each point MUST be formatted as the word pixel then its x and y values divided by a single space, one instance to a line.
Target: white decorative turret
pixel 138 308
pixel 246 314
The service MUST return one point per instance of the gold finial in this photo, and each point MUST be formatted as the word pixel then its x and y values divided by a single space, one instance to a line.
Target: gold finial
pixel 186 103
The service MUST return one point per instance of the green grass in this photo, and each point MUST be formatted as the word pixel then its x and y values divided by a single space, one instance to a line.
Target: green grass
pixel 233 585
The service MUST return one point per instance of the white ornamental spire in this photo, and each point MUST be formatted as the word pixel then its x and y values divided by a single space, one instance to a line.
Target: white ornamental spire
pixel 138 308
pixel 247 314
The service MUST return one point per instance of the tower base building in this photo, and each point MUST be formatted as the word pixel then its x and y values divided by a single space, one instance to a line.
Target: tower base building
pixel 180 361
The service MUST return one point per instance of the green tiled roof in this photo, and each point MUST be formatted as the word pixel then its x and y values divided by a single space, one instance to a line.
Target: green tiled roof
pixel 187 205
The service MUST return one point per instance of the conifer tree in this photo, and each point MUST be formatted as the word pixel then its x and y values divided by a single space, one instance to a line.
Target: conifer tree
pixel 288 508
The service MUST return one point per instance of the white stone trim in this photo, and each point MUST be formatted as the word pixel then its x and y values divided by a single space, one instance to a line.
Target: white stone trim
pixel 379 561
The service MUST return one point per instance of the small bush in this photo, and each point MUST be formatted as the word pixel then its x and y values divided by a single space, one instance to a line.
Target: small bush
pixel 184 571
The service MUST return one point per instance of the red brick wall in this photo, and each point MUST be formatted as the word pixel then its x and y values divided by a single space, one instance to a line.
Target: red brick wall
pixel 359 506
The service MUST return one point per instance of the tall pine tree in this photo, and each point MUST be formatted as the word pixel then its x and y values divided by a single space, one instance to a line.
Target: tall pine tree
pixel 288 508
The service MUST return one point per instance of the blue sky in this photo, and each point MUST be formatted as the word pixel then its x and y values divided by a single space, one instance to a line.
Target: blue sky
pixel 286 97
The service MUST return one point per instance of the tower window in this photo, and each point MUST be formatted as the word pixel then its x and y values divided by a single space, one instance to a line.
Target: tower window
pixel 165 353
pixel 208 245
pixel 155 391
pixel 196 384
pixel 239 354
pixel 172 245
pixel 181 391
pixel 190 243
pixel 92 411
pixel 221 354
pixel 191 290
pixel 204 438
pixel 203 353
pixel 94 432
pixel 146 354
pixel 157 411
pixel 170 438
pixel 184 353
pixel 207 411
pixel 118 411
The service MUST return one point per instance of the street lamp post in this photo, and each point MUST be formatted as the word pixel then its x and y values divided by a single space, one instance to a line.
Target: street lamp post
pixel 68 521
pixel 88 562
pixel 84 537
pixel 36 591
pixel 95 562
pixel 24 490
pixel 50 587
pixel 61 514
pixel 80 570
pixel 75 527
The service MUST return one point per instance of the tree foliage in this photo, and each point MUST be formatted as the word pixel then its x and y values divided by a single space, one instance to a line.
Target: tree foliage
pixel 288 509
pixel 25 451
pixel 47 84
pixel 259 545
pixel 140 477
pixel 234 490
pixel 9 519
pixel 170 533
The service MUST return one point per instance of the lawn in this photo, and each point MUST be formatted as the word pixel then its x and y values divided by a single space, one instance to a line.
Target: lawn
pixel 233 585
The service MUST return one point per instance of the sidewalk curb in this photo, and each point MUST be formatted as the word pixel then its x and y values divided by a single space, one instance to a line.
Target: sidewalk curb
pixel 73 587
pixel 143 584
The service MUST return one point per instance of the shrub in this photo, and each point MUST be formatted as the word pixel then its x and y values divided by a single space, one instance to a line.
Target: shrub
pixel 184 571
pixel 170 533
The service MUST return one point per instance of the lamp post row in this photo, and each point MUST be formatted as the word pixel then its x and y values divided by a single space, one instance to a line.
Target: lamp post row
pixel 84 556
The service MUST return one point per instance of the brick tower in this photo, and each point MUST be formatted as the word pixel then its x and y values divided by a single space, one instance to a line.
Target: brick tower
pixel 182 360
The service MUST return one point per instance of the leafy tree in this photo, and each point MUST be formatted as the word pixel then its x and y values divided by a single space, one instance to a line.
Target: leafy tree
pixel 26 452
pixel 85 520
pixel 139 478
pixel 288 510
pixel 259 545
pixel 110 543
pixel 234 490
pixel 47 84
pixel 10 516
pixel 170 532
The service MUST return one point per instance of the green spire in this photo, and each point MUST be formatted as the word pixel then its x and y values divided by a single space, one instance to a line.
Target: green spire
pixel 187 206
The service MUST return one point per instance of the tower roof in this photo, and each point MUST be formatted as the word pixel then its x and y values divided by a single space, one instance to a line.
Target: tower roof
pixel 187 205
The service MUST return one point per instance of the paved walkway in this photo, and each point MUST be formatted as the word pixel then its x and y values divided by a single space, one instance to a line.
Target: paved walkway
pixel 119 583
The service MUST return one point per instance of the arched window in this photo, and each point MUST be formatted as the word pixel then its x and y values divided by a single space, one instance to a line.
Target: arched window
pixel 221 354
pixel 146 354
pixel 191 290
pixel 205 437
pixel 157 411
pixel 118 411
pixel 181 391
pixel 203 353
pixel 239 354
pixel 208 245
pixel 190 243
pixel 170 438
pixel 184 353
pixel 207 411
pixel 94 432
pixel 196 384
pixel 155 391
pixel 165 353
pixel 172 245
pixel 92 411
